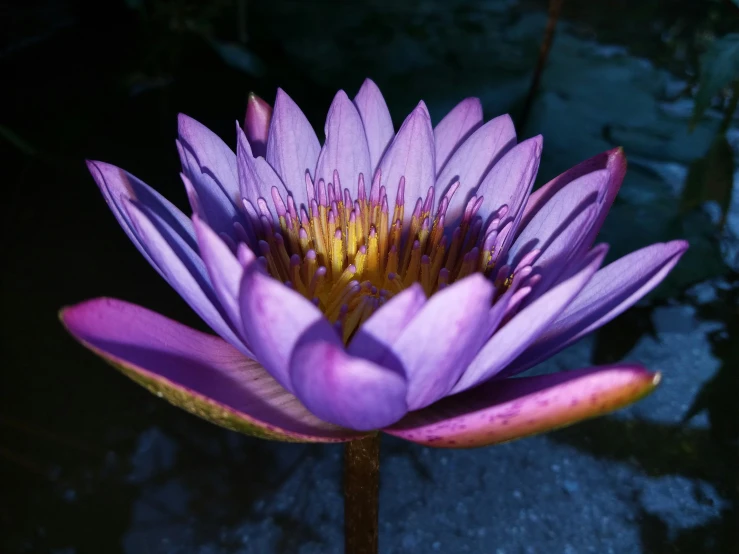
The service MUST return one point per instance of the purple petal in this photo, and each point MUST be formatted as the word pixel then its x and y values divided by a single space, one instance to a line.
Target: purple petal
pixel 118 185
pixel 509 183
pixel 610 292
pixel 613 161
pixel 292 145
pixel 513 337
pixel 473 159
pixel 508 409
pixel 182 267
pixel 410 155
pixel 454 129
pixel 256 176
pixel 211 167
pixel 195 371
pixel 443 338
pixel 225 272
pixel 337 387
pixel 378 125
pixel 559 228
pixel 345 150
pixel 274 318
pixel 256 124
pixel 373 340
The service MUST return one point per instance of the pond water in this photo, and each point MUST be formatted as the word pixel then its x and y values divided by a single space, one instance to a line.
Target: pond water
pixel 93 464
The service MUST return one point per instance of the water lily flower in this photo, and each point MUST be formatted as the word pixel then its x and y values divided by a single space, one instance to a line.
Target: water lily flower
pixel 381 281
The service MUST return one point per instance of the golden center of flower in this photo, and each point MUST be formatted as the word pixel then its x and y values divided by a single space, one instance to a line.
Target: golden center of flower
pixel 350 256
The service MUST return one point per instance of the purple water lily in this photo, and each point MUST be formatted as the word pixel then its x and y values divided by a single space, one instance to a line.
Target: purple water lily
pixel 382 281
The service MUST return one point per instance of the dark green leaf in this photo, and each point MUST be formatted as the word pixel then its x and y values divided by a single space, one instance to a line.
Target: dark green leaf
pixel 711 178
pixel 719 67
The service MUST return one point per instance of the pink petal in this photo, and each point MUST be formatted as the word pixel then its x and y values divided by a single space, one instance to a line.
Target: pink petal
pixel 454 129
pixel 195 371
pixel 378 125
pixel 256 124
pixel 508 409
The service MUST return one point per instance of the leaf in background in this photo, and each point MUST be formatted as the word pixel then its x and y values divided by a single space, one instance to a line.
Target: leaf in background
pixel 711 178
pixel 719 67
pixel 238 57
pixel 9 136
pixel 616 339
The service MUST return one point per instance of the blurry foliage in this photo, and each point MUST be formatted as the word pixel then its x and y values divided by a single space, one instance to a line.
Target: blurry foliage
pixel 719 68
pixel 168 23
pixel 711 177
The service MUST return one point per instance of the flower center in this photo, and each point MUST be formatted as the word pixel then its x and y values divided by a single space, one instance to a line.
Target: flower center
pixel 350 256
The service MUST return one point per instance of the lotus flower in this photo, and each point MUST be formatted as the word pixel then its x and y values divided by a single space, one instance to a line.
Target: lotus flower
pixel 383 281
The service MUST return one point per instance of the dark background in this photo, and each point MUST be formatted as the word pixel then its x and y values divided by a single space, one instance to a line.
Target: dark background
pixel 90 463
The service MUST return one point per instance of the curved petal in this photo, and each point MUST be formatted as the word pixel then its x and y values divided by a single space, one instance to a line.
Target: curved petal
pixel 256 124
pixel 378 125
pixel 117 185
pixel 559 228
pixel 613 161
pixel 454 129
pixel 292 145
pixel 197 372
pixel 225 272
pixel 182 267
pixel 274 318
pixel 345 150
pixel 211 167
pixel 443 338
pixel 410 155
pixel 373 340
pixel 256 176
pixel 509 183
pixel 610 292
pixel 351 392
pixel 513 337
pixel 473 159
pixel 508 409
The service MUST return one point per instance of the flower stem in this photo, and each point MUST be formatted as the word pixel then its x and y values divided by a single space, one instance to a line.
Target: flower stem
pixel 555 7
pixel 361 499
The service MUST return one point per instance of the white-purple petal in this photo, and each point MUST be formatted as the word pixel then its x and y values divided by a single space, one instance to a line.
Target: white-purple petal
pixel 292 145
pixel 454 128
pixel 274 318
pixel 473 159
pixel 346 150
pixel 378 125
pixel 410 156
pixel 436 346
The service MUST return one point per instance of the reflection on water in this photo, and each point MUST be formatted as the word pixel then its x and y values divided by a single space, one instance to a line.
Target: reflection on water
pixel 97 465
